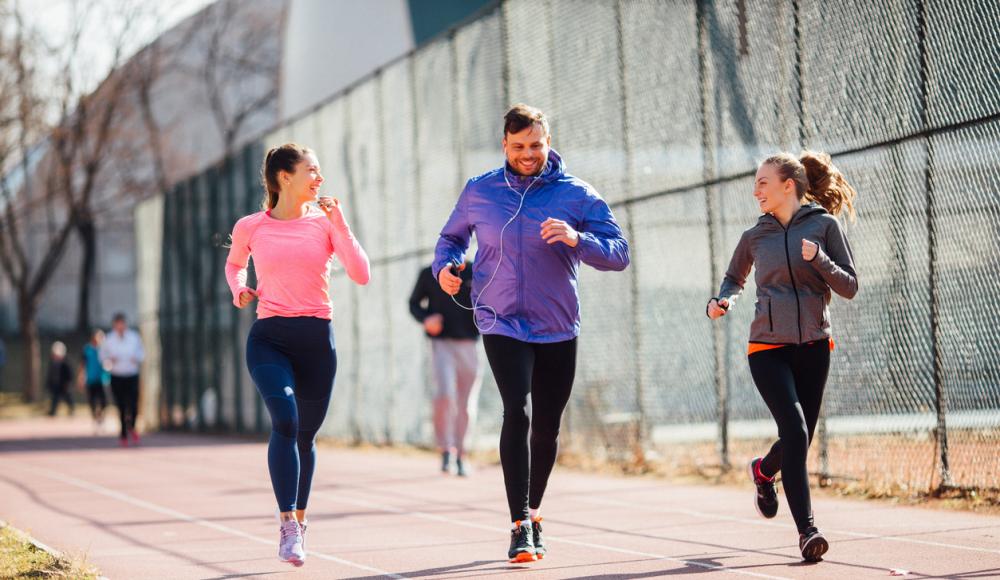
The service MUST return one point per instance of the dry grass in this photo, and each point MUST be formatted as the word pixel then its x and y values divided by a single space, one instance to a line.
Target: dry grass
pixel 21 560
pixel 12 406
pixel 698 465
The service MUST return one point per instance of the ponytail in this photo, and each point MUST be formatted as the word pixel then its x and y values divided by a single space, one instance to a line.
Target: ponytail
pixel 827 185
pixel 817 180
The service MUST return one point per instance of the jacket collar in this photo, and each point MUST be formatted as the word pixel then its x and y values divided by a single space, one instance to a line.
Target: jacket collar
pixel 808 210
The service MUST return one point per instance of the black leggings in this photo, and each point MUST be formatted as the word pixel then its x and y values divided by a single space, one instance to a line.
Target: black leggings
pixel 545 371
pixel 97 399
pixel 60 395
pixel 791 380
pixel 125 391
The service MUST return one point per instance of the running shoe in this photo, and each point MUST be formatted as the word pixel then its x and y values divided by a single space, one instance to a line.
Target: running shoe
pixel 290 544
pixel 522 548
pixel 536 534
pixel 813 545
pixel 766 497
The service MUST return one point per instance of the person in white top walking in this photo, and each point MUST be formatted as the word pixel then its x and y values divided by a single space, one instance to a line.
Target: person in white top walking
pixel 121 355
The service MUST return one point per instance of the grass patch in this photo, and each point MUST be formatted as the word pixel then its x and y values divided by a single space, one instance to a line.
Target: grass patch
pixel 12 406
pixel 22 560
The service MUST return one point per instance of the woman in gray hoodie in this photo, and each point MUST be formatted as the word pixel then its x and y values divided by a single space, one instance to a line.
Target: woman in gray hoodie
pixel 801 256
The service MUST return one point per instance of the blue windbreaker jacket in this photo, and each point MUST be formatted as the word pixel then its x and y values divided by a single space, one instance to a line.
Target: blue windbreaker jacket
pixel 535 289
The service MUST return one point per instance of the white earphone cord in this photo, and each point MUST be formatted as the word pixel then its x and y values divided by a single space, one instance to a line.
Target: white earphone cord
pixel 476 305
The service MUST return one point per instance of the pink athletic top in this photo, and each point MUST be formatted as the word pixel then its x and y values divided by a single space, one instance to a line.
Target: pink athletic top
pixel 292 261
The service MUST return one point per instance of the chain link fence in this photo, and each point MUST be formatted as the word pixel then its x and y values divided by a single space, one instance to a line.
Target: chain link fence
pixel 666 108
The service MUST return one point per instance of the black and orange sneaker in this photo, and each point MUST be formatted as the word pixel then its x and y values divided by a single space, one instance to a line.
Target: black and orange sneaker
pixel 813 545
pixel 766 497
pixel 536 535
pixel 522 547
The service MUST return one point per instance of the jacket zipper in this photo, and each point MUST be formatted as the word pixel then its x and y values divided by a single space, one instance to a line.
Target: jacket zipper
pixel 798 307
pixel 520 260
pixel 770 319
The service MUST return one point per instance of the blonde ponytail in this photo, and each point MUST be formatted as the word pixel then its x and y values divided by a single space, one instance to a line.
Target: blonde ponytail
pixel 827 185
pixel 816 179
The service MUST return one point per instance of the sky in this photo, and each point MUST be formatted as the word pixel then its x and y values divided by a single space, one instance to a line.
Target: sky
pixel 92 62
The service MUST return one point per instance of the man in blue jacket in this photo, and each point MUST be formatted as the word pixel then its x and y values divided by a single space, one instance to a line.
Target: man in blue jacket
pixel 534 224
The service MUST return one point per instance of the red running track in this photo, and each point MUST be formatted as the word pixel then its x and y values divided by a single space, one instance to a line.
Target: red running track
pixel 185 506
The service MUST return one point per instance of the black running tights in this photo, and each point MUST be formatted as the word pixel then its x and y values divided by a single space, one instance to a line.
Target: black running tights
pixel 791 380
pixel 545 372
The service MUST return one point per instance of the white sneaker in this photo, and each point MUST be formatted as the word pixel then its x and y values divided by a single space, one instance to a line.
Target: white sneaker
pixel 290 544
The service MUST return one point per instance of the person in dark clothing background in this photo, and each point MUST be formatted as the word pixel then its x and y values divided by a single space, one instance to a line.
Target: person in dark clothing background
pixel 60 378
pixel 455 360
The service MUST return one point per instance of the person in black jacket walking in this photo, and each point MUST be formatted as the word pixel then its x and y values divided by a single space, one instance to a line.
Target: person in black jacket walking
pixel 455 358
pixel 801 256
pixel 59 379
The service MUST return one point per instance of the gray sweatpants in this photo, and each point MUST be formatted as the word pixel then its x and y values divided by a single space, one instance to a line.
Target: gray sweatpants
pixel 458 375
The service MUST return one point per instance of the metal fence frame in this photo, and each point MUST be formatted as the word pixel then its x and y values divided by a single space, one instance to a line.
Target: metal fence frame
pixel 194 328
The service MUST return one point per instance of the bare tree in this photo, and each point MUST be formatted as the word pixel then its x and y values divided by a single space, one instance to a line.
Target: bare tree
pixel 229 50
pixel 241 70
pixel 22 123
pixel 146 68
pixel 70 153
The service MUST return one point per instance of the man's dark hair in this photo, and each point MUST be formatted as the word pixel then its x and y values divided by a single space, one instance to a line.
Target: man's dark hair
pixel 522 116
pixel 118 317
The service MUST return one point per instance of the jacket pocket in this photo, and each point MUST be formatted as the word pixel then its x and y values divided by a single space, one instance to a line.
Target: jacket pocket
pixel 762 326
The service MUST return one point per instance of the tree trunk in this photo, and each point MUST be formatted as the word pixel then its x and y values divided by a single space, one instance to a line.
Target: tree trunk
pixel 88 237
pixel 32 349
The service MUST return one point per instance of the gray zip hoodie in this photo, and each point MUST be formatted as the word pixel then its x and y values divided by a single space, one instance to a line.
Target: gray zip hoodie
pixel 792 295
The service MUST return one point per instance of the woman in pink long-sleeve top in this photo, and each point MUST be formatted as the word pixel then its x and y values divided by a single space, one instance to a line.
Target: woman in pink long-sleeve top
pixel 290 349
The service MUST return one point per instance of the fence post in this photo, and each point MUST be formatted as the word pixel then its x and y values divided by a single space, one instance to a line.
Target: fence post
pixel 711 201
pixel 199 195
pixel 168 311
pixel 215 297
pixel 940 396
pixel 821 431
pixel 250 205
pixel 628 183
pixel 234 313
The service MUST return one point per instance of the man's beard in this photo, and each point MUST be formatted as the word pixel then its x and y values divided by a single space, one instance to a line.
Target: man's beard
pixel 538 168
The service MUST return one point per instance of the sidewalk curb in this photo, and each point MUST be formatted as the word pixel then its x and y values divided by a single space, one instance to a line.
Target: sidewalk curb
pixel 43 547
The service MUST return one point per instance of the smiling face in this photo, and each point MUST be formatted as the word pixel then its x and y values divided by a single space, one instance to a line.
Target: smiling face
pixel 305 181
pixel 527 151
pixel 772 192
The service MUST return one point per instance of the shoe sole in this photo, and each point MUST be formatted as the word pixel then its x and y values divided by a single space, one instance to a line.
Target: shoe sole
pixel 756 506
pixel 523 557
pixel 293 561
pixel 814 549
